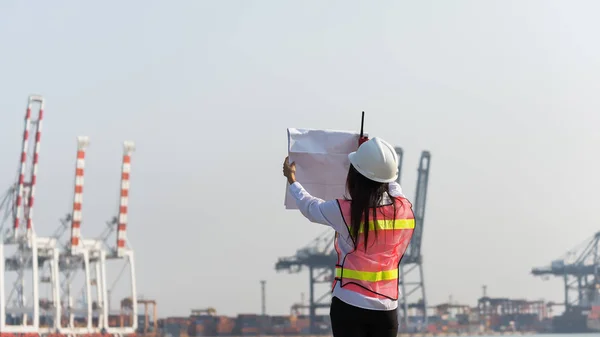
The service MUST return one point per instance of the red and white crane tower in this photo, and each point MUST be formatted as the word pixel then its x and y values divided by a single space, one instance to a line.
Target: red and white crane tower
pixel 91 255
pixel 78 257
pixel 122 252
pixel 22 253
pixel 29 252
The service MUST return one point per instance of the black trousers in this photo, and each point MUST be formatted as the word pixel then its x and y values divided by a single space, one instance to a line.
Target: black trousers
pixel 351 321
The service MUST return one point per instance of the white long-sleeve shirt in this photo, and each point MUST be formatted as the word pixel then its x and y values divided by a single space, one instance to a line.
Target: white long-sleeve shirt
pixel 328 213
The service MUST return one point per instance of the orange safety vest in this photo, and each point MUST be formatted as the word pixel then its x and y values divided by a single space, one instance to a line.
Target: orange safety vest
pixel 375 273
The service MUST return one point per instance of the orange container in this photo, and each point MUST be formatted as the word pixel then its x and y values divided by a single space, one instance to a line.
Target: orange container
pixel 225 325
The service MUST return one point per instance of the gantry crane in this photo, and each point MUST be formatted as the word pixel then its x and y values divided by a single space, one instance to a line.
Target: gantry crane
pixel 149 328
pixel 30 252
pixel 580 270
pixel 319 256
pixel 412 279
pixel 46 259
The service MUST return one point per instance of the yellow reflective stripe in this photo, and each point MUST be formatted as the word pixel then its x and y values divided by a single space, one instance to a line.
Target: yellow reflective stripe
pixel 369 276
pixel 391 224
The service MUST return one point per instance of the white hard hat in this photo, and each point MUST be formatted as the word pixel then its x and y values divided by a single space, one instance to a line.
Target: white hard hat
pixel 377 160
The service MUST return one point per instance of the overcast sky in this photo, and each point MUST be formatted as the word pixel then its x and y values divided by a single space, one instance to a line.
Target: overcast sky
pixel 503 93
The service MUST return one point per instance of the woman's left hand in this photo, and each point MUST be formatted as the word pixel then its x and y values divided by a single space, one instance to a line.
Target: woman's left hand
pixel 289 171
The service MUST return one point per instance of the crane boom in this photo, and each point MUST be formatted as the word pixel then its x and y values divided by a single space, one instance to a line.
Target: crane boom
pixel 413 253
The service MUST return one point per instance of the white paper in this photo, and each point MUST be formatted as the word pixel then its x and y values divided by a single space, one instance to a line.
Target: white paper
pixel 321 158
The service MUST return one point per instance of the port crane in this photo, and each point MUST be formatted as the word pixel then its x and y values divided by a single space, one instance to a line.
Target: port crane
pixel 580 270
pixel 319 257
pixel 412 278
pixel 29 262
pixel 22 252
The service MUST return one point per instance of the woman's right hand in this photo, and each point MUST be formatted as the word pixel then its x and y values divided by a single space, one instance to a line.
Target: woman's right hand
pixel 289 171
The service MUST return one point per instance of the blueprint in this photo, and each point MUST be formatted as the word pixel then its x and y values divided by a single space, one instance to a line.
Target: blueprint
pixel 321 158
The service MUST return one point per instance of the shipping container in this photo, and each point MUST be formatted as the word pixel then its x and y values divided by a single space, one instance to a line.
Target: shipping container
pixel 250 325
pixel 225 325
pixel 142 324
pixel 113 321
pixel 303 324
pixel 432 328
pixel 284 325
pixel 322 324
pixel 202 325
pixel 175 327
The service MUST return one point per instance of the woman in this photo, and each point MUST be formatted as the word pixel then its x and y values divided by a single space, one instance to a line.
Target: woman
pixel 365 289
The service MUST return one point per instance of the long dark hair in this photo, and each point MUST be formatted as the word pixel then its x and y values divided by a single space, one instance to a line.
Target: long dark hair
pixel 365 195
